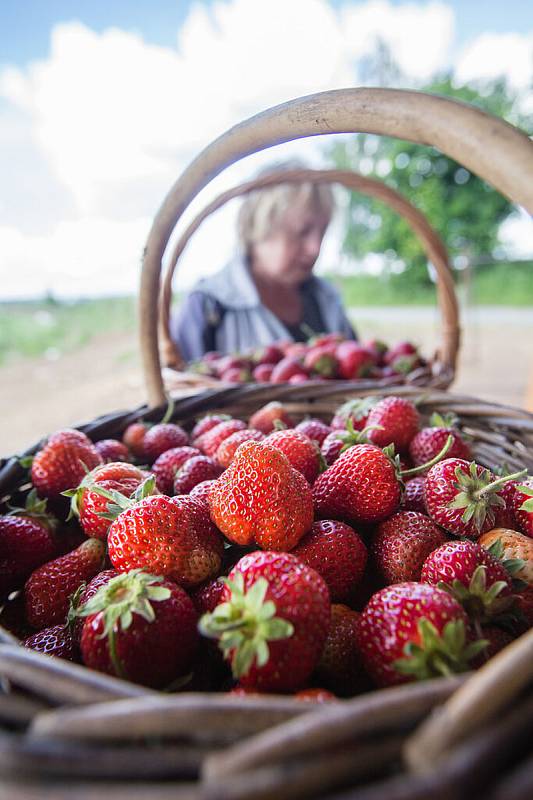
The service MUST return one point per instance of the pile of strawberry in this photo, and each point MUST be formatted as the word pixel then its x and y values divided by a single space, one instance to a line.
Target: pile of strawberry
pixel 267 556
pixel 325 357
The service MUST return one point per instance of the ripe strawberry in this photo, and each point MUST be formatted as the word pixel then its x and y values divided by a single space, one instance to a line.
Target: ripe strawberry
pixel 205 424
pixel 168 536
pixel 270 354
pixel 13 617
pixel 265 418
pixel 200 493
pixel 302 377
pixel 476 579
pixel 63 462
pixel 141 628
pixel 523 506
pixel 53 641
pixel 261 499
pixel 360 486
pixel 82 595
pixel 356 411
pixel 337 553
pixel 262 373
pixel 321 360
pixel 166 466
pixel 402 543
pixel 402 349
pixel 354 360
pixel 397 422
pixel 412 631
pixel 315 429
pixel 461 496
pixel 302 453
pixel 229 362
pixel 273 621
pixel 497 639
pixel 340 666
pixel 283 371
pixel 505 516
pixel 163 437
pixel 236 375
pixel 331 447
pixel 315 696
pixel 208 596
pixel 49 588
pixel 377 348
pixel 227 449
pixel 133 438
pixel 112 450
pixel 511 546
pixel 429 442
pixel 89 504
pixel 26 541
pixel 210 441
pixel 413 498
pixel 194 471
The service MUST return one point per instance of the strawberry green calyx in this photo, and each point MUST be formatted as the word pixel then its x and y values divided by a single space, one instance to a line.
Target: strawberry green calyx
pixel 512 565
pixel 350 436
pixel 480 603
pixel 439 654
pixel 245 624
pixel 477 494
pixel 405 364
pixel 34 508
pixel 409 473
pixel 357 409
pixel 118 502
pixel 527 505
pixel 131 593
pixel 449 420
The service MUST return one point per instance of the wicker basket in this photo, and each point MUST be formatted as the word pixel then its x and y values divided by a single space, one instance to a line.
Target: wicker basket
pixel 70 732
pixel 439 373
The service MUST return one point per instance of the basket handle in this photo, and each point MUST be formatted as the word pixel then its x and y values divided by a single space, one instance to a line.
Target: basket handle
pixel 486 145
pixel 429 238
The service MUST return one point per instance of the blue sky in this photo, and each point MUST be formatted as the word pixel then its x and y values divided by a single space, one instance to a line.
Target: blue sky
pixel 103 103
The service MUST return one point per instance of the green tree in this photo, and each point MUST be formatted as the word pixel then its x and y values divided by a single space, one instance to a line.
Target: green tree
pixel 465 210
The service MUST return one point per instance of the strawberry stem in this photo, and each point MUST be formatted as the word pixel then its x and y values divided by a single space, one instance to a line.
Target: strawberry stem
pixel 447 444
pixel 491 487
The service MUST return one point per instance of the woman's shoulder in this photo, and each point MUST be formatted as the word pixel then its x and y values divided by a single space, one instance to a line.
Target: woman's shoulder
pixel 231 286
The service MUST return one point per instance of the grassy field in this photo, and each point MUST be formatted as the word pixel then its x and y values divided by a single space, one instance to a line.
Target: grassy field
pixel 53 329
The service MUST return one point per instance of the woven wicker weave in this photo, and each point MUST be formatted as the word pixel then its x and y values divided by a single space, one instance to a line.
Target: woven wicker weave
pixel 68 732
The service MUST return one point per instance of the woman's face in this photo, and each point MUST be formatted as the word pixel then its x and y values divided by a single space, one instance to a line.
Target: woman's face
pixel 288 255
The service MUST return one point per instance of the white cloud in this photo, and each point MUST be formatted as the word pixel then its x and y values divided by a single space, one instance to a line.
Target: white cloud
pixel 94 135
pixel 491 55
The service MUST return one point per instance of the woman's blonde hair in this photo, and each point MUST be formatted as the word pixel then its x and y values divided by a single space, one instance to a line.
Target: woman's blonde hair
pixel 262 209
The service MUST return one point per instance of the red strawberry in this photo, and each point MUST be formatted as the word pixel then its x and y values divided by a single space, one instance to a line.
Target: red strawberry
pixel 356 411
pixel 229 362
pixel 331 447
pixel 89 505
pixel 477 580
pixel 303 454
pixel 321 360
pixel 354 360
pixel 210 441
pixel 81 596
pixel 402 543
pixel 166 466
pixel 413 498
pixel 361 486
pixel 315 429
pixel 208 596
pixel 273 621
pixel 428 442
pixel 168 536
pixel 205 424
pixel 265 418
pixel 412 631
pixel 262 373
pixel 315 696
pixel 497 639
pixel 201 492
pixel 141 628
pixel 340 666
pixel 377 348
pixel 53 641
pixel 270 354
pixel 283 371
pixel 26 541
pixel 236 375
pixel 133 438
pixel 399 350
pixel 397 421
pixel 112 450
pixel 49 588
pixel 228 447
pixel 194 471
pixel 337 553
pixel 302 377
pixel 163 437
pixel 504 515
pixel 523 506
pixel 63 462
pixel 461 496
pixel 13 617
pixel 261 499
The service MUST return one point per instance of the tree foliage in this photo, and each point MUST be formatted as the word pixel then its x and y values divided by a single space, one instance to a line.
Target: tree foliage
pixel 465 210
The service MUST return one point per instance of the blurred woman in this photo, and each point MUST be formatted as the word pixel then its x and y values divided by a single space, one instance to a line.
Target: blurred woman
pixel 268 292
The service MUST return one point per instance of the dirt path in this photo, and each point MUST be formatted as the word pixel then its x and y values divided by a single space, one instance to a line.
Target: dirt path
pixel 40 396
